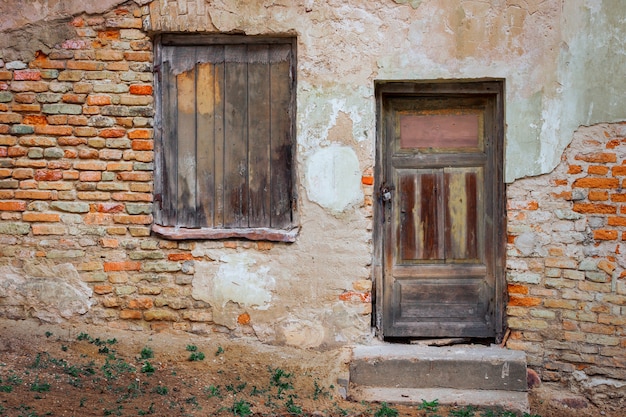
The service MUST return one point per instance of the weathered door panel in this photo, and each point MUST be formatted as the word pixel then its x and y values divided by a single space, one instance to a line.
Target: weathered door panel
pixel 441 230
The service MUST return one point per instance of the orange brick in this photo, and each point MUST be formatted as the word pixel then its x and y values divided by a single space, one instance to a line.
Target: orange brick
pixel 33 195
pixel 598 195
pixel 109 242
pixel 598 170
pixel 135 176
pixel 604 234
pixel 48 229
pixel 12 206
pixel 73 98
pixel 617 221
pixel 122 266
pixel 57 119
pixel 103 289
pixel 243 319
pixel 85 65
pixel 523 301
pixel 142 145
pixel 34 119
pixel 33 216
pixel 131 197
pixel 98 100
pixel 53 130
pixel 133 219
pixel 98 218
pixel 140 134
pixel 612 144
pixel 27 75
pixel 180 257
pixel 619 171
pixel 599 157
pixel 112 133
pixel 26 107
pixel 109 35
pixel 596 183
pixel 109 207
pixel 130 314
pixel 142 303
pixel 138 56
pixel 618 198
pixel 367 180
pixel 594 208
pixel 517 289
pixel 141 89
pixel 48 175
pixel 565 195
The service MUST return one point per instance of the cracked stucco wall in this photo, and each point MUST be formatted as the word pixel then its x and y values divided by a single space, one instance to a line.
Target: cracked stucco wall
pixel 563 65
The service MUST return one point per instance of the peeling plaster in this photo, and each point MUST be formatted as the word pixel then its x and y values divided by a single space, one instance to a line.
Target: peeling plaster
pixel 234 278
pixel 333 178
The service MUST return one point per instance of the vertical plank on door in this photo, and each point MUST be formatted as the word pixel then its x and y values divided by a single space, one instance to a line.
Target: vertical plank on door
pixel 170 147
pixel 205 131
pixel 461 211
pixel 281 158
pixel 236 132
pixel 430 229
pixel 186 198
pixel 407 233
pixel 259 132
pixel 219 139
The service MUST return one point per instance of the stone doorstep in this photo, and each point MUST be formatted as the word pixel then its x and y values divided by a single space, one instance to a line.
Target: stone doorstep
pixel 462 374
pixel 507 400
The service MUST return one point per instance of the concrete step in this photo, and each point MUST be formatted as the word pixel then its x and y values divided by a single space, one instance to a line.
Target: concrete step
pixel 464 374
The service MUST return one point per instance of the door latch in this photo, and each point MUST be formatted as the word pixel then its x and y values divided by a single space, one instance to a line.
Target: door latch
pixel 385 192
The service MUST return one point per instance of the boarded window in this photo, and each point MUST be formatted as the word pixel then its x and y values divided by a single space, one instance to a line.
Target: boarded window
pixel 225 138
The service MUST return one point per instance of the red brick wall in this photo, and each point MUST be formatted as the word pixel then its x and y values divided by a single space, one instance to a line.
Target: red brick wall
pixel 566 268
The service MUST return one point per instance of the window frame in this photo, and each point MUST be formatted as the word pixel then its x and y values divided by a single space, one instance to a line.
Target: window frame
pixel 177 232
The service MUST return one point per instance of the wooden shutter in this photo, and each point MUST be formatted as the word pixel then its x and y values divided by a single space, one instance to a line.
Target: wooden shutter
pixel 226 137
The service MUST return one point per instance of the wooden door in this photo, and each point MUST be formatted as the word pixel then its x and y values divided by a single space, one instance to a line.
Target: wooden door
pixel 441 209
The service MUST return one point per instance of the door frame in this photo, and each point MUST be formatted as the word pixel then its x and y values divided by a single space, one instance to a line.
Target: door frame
pixel 444 89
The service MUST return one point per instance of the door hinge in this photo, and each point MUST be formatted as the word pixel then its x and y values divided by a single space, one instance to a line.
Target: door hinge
pixel 159 198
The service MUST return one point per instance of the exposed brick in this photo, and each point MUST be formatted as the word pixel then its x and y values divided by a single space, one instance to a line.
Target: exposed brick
pixel 130 315
pixel 598 157
pixel 40 217
pixel 85 65
pixel 596 183
pixel 515 300
pixel 53 130
pixel 142 145
pixel 122 266
pixel 74 98
pixel 12 206
pixel 141 89
pixel 142 303
pixel 112 133
pixel 49 229
pixel 604 234
pixel 594 208
pixel 598 195
pixel 98 100
pixel 140 134
pixel 619 171
pixel 34 195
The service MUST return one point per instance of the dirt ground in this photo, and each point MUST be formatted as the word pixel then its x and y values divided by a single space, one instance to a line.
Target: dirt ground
pixel 70 370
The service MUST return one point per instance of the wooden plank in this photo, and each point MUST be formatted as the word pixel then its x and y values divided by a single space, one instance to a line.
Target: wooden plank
pixel 430 230
pixel 186 195
pixel 259 134
pixel 236 135
pixel 438 271
pixel 170 147
pixel 219 143
pixel 407 224
pixel 257 233
pixel 281 85
pixel 205 136
pixel 462 220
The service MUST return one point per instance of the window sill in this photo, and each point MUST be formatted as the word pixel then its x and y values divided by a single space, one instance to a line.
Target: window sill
pixel 260 233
